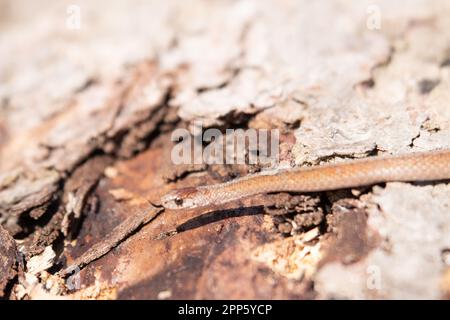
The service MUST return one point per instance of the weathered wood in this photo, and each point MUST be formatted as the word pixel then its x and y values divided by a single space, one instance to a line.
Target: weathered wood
pixel 85 125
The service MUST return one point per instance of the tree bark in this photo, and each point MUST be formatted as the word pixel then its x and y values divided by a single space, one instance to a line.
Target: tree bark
pixel 90 95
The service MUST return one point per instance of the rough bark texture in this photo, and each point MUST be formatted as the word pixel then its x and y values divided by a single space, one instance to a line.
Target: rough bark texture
pixel 85 122
pixel 9 263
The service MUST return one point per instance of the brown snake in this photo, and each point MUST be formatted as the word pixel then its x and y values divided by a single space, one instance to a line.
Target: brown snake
pixel 425 166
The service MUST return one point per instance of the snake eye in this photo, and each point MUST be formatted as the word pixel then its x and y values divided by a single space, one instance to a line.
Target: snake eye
pixel 178 202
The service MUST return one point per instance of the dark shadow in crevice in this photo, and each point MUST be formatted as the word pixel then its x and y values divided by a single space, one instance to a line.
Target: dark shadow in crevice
pixel 8 290
pixel 214 216
pixel 29 225
pixel 430 183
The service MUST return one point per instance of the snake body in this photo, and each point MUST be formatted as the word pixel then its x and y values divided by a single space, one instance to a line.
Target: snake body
pixel 424 166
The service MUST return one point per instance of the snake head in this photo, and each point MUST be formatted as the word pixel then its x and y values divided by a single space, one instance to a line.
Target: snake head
pixel 181 199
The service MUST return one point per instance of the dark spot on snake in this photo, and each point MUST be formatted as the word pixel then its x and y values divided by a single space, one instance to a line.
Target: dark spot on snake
pixel 178 201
